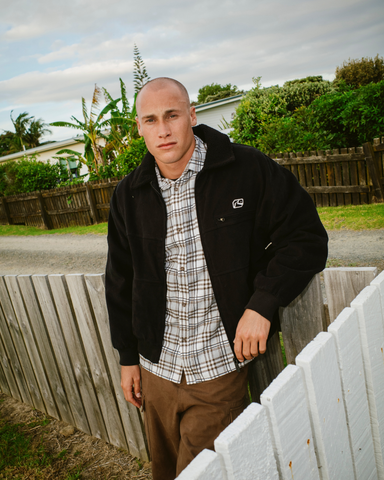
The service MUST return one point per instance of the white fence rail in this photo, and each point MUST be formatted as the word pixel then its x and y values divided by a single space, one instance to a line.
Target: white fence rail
pixel 322 419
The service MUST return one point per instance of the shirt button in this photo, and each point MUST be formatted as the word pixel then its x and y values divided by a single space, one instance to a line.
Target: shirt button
pixel 184 304
pixel 182 269
pixel 179 230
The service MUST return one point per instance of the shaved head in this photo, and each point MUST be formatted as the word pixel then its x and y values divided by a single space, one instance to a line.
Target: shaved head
pixel 159 84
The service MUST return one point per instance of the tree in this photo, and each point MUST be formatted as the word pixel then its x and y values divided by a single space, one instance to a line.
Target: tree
pixel 92 129
pixel 6 143
pixel 357 73
pixel 215 91
pixel 140 75
pixel 27 134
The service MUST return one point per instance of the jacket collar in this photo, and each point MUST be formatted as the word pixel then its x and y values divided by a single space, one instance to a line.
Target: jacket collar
pixel 219 153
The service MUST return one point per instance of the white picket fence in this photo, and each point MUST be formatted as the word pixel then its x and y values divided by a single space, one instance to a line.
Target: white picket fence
pixel 321 419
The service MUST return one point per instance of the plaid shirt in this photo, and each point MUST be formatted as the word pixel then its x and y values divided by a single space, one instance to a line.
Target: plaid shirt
pixel 194 341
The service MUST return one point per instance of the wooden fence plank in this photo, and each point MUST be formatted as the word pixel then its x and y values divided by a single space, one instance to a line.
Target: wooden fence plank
pixel 10 362
pixel 378 189
pixel 43 343
pixel 31 345
pixel 265 368
pixel 76 354
pixel 4 367
pixel 25 375
pixel 206 466
pixel 302 319
pixel 285 400
pixel 368 306
pixel 130 415
pixel 95 359
pixel 326 406
pixel 246 446
pixel 343 284
pixel 345 331
pixel 57 340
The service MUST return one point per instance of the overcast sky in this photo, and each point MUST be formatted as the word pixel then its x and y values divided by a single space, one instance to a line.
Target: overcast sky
pixel 53 52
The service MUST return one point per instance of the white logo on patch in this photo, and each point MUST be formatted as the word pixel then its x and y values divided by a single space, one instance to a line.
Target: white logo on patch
pixel 238 203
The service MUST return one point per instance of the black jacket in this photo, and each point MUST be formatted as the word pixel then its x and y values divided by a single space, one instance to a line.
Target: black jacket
pixel 260 255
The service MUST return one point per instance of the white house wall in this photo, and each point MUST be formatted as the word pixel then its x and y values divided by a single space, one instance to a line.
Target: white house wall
pixel 213 116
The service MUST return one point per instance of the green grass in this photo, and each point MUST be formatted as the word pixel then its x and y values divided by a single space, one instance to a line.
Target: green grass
pixel 23 457
pixel 351 217
pixel 100 229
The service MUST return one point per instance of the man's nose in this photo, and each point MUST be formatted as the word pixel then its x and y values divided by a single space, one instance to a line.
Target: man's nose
pixel 164 130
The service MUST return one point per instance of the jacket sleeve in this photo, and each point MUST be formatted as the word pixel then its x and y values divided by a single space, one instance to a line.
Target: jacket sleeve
pixel 118 285
pixel 298 239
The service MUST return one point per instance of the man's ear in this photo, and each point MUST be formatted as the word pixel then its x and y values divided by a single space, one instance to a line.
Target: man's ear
pixel 193 116
pixel 138 126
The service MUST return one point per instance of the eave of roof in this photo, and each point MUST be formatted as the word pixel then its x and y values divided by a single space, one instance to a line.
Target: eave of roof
pixel 217 103
pixel 40 149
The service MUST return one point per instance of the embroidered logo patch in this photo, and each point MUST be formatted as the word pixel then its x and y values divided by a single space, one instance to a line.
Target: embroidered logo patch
pixel 238 203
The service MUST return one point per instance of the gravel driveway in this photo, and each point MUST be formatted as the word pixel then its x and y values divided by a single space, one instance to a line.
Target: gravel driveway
pixel 87 253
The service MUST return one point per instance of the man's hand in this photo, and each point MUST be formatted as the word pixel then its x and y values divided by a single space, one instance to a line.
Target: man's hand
pixel 251 335
pixel 130 383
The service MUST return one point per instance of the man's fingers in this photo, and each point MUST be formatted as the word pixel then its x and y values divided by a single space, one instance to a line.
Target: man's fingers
pixel 239 349
pixel 130 383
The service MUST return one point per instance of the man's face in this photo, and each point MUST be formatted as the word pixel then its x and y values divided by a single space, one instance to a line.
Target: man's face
pixel 165 120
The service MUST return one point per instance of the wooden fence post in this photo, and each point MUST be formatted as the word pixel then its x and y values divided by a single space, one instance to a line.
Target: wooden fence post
pixel 343 284
pixel 303 319
pixel 92 203
pixel 378 189
pixel 43 213
pixel 6 211
pixel 265 368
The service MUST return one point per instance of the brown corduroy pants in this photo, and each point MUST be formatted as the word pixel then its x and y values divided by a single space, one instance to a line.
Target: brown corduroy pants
pixel 181 420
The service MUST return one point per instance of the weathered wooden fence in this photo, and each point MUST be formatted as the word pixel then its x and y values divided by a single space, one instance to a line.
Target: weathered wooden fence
pixel 56 354
pixel 351 176
pixel 321 419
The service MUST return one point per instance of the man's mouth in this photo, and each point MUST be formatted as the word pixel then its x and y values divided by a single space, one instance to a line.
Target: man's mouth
pixel 165 146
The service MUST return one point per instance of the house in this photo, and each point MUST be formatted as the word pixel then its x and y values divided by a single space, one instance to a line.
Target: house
pixel 48 151
pixel 219 113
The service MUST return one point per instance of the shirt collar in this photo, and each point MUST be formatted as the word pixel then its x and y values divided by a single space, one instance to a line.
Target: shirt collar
pixel 195 164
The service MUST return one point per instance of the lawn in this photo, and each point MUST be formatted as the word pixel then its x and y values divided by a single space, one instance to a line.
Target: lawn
pixel 351 217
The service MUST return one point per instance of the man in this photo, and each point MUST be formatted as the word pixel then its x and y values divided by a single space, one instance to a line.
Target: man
pixel 207 239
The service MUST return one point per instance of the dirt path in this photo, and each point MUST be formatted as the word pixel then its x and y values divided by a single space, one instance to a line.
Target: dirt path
pixel 88 253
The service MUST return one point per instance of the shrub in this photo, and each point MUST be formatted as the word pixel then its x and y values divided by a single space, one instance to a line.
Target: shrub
pixel 125 162
pixel 28 175
pixel 357 73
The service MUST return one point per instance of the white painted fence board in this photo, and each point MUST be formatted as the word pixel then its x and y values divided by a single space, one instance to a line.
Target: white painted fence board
pixel 246 446
pixel 8 356
pixel 130 415
pixel 31 345
pixel 368 306
pixel 343 284
pixel 57 339
pixel 43 344
pixel 319 363
pixel 77 356
pixel 302 319
pixel 345 330
pixel 378 282
pixel 206 466
pixel 286 403
pixel 26 376
pixel 95 359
